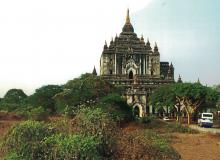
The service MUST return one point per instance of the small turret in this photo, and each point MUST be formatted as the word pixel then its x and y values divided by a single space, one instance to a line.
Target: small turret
pixel 148 45
pixel 105 46
pixel 111 41
pixel 94 71
pixel 142 39
pixel 179 79
pixel 156 48
pixel 170 73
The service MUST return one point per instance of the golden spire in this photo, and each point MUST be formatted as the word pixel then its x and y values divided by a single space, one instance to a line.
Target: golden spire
pixel 128 17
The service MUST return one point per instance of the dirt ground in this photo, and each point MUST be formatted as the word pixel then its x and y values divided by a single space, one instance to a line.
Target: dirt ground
pixel 202 146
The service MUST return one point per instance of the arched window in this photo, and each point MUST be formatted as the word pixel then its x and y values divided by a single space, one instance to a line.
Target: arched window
pixel 131 75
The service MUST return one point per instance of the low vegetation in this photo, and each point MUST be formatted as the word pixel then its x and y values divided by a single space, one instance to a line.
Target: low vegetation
pixel 93 117
pixel 145 144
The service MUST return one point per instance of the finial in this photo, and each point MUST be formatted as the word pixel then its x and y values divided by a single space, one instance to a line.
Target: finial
pixel 179 79
pixel 142 38
pixel 116 35
pixel 155 47
pixel 127 17
pixel 105 43
pixel 171 64
pixel 94 71
pixel 148 42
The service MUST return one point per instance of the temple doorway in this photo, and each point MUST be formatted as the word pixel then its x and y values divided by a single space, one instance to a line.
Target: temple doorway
pixel 131 75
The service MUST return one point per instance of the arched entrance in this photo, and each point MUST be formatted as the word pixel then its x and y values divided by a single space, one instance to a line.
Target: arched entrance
pixel 131 75
pixel 137 110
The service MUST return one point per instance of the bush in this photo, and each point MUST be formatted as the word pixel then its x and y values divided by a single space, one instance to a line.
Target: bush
pixel 70 111
pixel 117 107
pixel 12 156
pixel 147 119
pixel 145 144
pixel 25 139
pixel 98 123
pixel 179 128
pixel 38 113
pixel 71 147
pixel 37 140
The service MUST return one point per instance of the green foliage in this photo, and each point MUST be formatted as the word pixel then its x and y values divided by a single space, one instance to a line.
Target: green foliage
pixel 33 113
pixel 36 140
pixel 117 107
pixel 14 96
pixel 44 97
pixel 13 99
pixel 96 122
pixel 85 90
pixel 163 96
pixel 38 113
pixel 12 156
pixel 25 139
pixel 147 119
pixel 179 128
pixel 71 147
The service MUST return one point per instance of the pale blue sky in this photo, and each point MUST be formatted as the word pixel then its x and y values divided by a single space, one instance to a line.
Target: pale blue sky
pixel 43 42
pixel 188 33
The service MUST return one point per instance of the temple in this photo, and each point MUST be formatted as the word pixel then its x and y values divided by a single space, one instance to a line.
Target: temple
pixel 131 62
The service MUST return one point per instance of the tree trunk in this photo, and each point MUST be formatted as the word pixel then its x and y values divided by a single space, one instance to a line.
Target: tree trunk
pixel 188 118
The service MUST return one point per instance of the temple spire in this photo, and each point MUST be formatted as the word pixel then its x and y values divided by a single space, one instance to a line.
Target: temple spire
pixel 128 17
pixel 94 71
pixel 179 79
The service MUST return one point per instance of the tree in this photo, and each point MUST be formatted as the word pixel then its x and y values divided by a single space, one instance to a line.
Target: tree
pixel 86 90
pixel 217 88
pixel 187 96
pixel 193 96
pixel 165 97
pixel 44 97
pixel 13 99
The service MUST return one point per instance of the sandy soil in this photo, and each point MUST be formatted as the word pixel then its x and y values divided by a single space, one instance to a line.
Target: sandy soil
pixel 197 146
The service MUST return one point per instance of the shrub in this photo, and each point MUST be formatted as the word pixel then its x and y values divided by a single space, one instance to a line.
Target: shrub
pixel 70 111
pixel 145 144
pixel 38 113
pixel 98 123
pixel 37 140
pixel 179 128
pixel 117 107
pixel 12 156
pixel 71 147
pixel 25 139
pixel 147 119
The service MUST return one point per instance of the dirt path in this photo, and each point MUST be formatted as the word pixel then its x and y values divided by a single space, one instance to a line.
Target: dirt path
pixel 202 129
pixel 197 146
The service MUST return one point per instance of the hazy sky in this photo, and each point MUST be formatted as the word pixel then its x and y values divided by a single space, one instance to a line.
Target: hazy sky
pixel 52 41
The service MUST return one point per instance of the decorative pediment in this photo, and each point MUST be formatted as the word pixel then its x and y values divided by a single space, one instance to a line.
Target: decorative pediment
pixel 131 64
